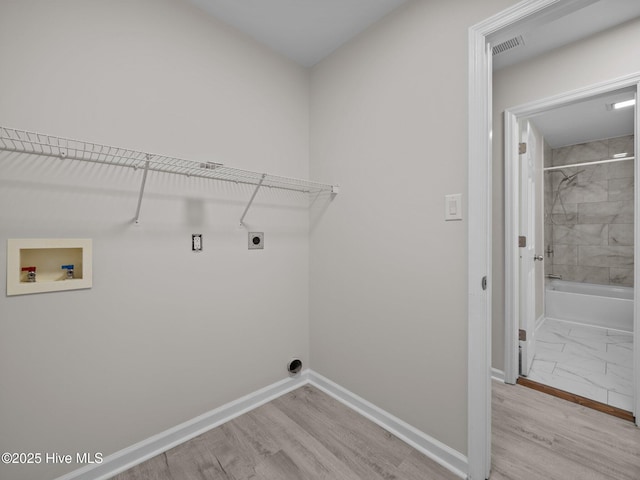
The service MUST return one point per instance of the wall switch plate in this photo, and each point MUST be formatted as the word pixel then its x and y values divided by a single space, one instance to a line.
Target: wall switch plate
pixel 196 242
pixel 256 240
pixel 453 207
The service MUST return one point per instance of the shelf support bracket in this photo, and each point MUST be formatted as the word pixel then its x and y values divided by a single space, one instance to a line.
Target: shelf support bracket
pixel 144 181
pixel 255 192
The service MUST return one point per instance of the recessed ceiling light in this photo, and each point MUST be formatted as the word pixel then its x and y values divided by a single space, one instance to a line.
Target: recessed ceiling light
pixel 626 103
pixel 620 155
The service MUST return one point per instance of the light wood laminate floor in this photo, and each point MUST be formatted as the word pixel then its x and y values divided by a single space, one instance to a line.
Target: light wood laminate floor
pixel 307 435
pixel 540 437
pixel 303 435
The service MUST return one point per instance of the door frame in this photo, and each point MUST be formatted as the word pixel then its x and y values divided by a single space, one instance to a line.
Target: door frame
pixel 532 13
pixel 511 117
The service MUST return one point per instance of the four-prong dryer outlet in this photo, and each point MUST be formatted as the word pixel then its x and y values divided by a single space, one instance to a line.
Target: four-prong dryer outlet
pixel 256 240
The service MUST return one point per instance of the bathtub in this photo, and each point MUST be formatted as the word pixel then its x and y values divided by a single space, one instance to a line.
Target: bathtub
pixel 605 306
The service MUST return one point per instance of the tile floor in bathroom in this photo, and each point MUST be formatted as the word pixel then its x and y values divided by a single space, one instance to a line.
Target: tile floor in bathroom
pixel 592 362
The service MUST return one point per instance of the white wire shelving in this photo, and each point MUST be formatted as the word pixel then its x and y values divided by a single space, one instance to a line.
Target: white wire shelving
pixel 21 141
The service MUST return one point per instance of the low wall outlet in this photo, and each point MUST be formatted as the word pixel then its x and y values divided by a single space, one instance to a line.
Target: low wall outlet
pixel 196 242
pixel 453 207
pixel 256 240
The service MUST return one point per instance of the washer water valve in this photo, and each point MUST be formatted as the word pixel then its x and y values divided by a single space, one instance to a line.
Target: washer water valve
pixel 31 273
pixel 69 269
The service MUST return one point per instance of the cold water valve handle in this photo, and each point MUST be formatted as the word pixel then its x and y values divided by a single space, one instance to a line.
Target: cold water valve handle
pixel 31 273
pixel 69 269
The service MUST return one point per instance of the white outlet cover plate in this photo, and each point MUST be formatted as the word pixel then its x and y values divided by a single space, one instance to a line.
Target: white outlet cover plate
pixel 453 207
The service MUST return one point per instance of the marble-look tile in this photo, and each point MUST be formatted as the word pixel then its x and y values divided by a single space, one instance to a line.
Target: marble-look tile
pixel 589 331
pixel 624 144
pixel 561 219
pixel 615 383
pixel 558 326
pixel 590 173
pixel 578 273
pixel 621 378
pixel 547 342
pixel 605 256
pixel 584 152
pixel 620 189
pixel 584 345
pixel 585 360
pixel 606 212
pixel 619 337
pixel 590 234
pixel 565 208
pixel 619 354
pixel 545 338
pixel 587 192
pixel 570 385
pixel 625 402
pixel 621 276
pixel 621 169
pixel 542 366
pixel 565 254
pixel 621 234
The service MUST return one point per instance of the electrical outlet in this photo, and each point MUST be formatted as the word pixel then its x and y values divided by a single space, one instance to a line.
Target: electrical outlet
pixel 256 240
pixel 196 242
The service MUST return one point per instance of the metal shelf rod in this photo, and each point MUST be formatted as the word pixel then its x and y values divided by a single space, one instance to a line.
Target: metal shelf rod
pixel 255 192
pixel 144 181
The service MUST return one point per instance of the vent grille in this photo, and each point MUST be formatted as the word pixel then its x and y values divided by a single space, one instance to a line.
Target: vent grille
pixel 508 45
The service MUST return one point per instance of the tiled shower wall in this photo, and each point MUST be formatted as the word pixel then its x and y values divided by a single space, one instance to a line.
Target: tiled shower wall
pixel 589 221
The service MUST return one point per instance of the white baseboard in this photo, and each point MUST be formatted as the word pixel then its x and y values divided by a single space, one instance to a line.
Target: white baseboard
pixel 497 375
pixel 157 444
pixel 437 451
pixel 124 459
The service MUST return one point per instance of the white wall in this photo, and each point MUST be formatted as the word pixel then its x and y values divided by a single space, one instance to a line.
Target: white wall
pixel 602 57
pixel 164 334
pixel 388 275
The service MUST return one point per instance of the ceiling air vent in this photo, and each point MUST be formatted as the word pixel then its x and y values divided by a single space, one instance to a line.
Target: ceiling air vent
pixel 508 45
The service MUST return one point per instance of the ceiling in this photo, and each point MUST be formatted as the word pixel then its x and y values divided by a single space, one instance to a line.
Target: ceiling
pixel 586 121
pixel 305 31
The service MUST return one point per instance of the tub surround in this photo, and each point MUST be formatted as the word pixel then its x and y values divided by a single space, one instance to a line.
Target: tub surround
pixel 590 228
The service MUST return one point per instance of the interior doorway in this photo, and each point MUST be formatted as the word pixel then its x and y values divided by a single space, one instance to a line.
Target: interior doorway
pixel 576 183
pixel 528 15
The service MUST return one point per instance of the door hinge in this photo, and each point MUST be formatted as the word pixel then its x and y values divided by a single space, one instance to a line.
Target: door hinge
pixel 522 335
pixel 522 148
pixel 522 241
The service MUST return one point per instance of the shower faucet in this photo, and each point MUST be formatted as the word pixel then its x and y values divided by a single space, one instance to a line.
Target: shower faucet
pixel 549 251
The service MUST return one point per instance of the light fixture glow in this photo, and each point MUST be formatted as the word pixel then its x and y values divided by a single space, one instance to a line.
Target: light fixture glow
pixel 626 103
pixel 620 155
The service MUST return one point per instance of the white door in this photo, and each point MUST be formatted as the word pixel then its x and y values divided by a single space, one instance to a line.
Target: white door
pixel 527 252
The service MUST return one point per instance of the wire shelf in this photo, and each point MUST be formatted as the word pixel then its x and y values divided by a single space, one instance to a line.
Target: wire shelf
pixel 21 141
